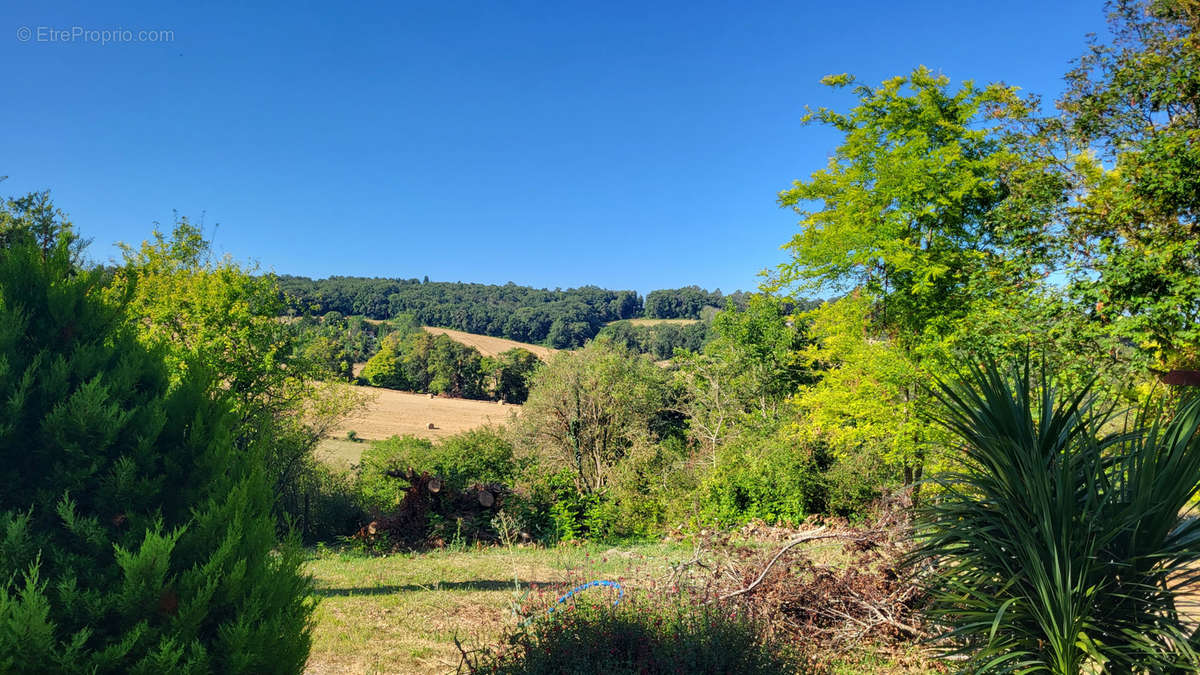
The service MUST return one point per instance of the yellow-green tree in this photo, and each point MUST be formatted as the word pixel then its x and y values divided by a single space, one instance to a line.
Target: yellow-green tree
pixel 212 314
pixel 915 204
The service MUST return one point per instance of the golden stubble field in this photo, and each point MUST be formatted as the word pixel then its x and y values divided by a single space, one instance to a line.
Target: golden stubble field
pixel 491 346
pixel 398 413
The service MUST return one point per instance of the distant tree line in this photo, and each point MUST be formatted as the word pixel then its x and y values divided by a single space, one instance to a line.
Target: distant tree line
pixel 563 319
pixel 660 340
pixel 415 360
pixel 688 302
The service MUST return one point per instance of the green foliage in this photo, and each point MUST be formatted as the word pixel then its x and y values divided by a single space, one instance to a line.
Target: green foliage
pixel 660 340
pixel 335 343
pixel 641 635
pixel 423 362
pixel 378 493
pixel 477 456
pixel 136 533
pixel 481 455
pixel 213 315
pixel 1132 110
pixel 928 205
pixel 776 478
pixel 33 219
pixel 867 405
pixel 587 409
pixel 386 367
pixel 1059 544
pixel 747 369
pixel 509 374
pixel 686 303
pixel 907 203
pixel 327 503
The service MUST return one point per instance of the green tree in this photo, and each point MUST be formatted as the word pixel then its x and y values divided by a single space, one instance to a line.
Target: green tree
pixel 510 373
pixel 385 368
pixel 744 373
pixel 929 202
pixel 909 204
pixel 136 533
pixel 34 218
pixel 587 408
pixel 1132 109
pixel 867 406
pixel 215 316
pixel 454 369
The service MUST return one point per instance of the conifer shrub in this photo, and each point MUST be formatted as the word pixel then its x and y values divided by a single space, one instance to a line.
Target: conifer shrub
pixel 135 535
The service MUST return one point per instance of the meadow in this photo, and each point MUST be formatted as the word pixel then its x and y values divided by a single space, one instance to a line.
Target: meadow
pixel 401 613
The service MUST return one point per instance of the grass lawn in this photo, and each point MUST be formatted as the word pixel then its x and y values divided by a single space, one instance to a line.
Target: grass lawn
pixel 400 613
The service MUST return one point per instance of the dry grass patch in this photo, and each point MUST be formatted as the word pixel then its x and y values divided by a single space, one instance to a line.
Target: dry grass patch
pixel 395 413
pixel 660 322
pixel 491 346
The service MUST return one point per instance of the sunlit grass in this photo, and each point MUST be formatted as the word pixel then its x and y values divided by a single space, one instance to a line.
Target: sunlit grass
pixel 400 613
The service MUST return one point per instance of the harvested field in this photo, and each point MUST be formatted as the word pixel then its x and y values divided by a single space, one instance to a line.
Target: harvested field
pixel 399 412
pixel 491 346
pixel 660 322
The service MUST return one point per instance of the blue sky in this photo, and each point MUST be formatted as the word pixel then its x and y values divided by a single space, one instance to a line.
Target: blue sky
pixel 555 144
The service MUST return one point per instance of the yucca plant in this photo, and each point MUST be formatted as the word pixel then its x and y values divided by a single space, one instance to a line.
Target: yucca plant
pixel 1057 545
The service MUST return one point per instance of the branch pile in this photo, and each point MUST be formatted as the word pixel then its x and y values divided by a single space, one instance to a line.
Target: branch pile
pixel 860 596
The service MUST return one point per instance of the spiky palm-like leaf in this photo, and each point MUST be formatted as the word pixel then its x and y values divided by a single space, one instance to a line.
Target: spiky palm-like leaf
pixel 1055 545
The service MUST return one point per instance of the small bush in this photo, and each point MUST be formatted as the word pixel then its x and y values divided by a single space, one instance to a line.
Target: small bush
pixel 376 491
pixel 770 477
pixel 475 456
pixel 643 635
pixel 479 456
pixel 323 502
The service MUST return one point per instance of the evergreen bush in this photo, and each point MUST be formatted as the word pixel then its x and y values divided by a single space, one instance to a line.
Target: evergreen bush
pixel 135 536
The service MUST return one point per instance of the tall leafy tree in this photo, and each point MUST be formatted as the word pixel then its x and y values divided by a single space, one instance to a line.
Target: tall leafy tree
pixel 213 315
pixel 1132 112
pixel 510 373
pixel 587 409
pixel 928 195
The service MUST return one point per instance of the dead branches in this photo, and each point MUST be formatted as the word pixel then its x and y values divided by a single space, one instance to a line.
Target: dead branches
pixel 856 593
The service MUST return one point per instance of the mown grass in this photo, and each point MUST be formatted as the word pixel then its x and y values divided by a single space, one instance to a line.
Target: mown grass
pixel 400 613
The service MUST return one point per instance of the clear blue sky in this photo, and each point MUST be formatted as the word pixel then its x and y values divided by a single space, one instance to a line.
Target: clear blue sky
pixel 628 145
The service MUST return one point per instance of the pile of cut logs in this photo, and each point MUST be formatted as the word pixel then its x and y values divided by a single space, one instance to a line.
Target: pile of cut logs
pixel 425 494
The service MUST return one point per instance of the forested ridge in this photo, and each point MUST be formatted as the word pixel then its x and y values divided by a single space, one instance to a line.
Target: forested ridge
pixel 563 319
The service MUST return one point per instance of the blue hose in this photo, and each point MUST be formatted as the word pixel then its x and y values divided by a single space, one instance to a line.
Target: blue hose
pixel 581 587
